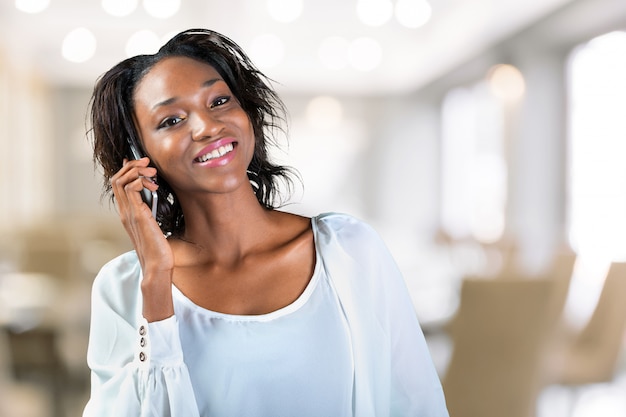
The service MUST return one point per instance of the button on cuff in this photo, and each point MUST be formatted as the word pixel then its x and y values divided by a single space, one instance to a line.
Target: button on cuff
pixel 158 343
pixel 142 347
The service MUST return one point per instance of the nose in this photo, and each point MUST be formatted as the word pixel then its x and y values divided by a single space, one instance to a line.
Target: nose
pixel 205 126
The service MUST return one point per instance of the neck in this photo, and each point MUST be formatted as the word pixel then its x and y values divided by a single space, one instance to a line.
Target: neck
pixel 225 225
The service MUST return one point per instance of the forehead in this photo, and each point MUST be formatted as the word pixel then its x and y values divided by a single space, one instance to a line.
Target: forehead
pixel 171 76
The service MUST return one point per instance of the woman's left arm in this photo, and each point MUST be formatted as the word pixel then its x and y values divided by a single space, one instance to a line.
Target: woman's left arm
pixel 415 386
pixel 394 372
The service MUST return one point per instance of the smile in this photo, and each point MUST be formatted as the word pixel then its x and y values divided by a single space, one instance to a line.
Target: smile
pixel 216 153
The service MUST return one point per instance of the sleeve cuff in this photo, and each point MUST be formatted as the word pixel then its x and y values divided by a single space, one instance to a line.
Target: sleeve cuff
pixel 158 343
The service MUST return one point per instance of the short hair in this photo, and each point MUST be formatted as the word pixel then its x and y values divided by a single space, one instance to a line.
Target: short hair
pixel 113 126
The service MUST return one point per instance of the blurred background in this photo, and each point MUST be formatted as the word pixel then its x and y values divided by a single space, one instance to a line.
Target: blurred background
pixel 485 140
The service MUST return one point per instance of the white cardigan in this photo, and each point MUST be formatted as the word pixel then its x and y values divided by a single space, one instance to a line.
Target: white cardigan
pixel 139 369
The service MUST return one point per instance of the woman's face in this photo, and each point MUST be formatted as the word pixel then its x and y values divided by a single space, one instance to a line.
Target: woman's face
pixel 192 127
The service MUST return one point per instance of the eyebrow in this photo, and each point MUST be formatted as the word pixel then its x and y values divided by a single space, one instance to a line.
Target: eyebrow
pixel 171 100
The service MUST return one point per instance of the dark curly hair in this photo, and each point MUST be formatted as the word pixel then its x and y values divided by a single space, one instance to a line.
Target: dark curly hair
pixel 112 121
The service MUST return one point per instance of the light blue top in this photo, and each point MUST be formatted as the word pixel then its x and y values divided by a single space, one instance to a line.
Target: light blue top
pixel 270 364
pixel 350 345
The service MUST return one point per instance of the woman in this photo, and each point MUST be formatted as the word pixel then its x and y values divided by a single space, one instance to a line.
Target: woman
pixel 227 306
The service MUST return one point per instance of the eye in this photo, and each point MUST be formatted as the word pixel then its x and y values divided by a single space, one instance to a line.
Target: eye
pixel 220 101
pixel 170 121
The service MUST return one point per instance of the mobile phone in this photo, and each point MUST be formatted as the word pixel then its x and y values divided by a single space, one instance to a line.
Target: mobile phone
pixel 149 197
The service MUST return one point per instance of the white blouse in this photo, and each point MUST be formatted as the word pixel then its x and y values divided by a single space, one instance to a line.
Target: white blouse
pixel 350 345
pixel 270 364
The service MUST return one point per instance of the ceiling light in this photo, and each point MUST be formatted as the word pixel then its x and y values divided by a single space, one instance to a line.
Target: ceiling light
pixel 284 10
pixel 79 45
pixel 413 13
pixel 267 51
pixel 161 9
pixel 333 52
pixel 31 6
pixel 365 54
pixel 506 82
pixel 119 7
pixel 374 12
pixel 324 112
pixel 142 42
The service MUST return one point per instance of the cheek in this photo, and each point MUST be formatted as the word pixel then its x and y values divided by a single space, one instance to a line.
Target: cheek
pixel 252 146
pixel 165 146
pixel 246 130
pixel 161 152
pixel 251 133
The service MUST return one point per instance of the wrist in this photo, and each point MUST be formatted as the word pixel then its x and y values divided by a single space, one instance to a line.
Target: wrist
pixel 157 296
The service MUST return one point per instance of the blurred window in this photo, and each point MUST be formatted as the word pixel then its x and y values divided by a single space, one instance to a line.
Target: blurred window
pixel 597 158
pixel 597 164
pixel 474 171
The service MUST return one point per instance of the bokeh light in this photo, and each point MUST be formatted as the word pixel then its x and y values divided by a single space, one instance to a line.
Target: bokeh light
pixel 79 45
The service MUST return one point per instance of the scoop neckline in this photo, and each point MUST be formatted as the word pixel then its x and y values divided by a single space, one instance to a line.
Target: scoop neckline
pixel 272 315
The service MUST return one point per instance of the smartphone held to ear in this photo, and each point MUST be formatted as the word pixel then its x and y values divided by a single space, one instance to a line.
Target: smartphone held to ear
pixel 149 197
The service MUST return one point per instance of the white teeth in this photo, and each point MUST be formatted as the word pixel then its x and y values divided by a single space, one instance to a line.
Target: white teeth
pixel 216 153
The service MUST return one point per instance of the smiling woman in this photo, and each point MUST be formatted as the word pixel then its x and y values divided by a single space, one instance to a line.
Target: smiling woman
pixel 229 306
pixel 181 98
pixel 112 115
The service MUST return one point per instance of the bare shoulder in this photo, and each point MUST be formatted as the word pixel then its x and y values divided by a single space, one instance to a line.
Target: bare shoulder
pixel 292 227
pixel 293 242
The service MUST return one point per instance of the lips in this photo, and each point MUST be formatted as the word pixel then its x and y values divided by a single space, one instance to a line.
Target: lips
pixel 215 150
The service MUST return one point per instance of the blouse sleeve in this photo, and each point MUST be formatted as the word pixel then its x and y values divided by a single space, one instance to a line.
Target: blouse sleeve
pixel 415 388
pixel 137 367
pixel 394 372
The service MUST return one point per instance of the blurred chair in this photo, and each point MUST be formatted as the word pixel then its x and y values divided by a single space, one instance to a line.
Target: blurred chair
pixel 46 249
pixel 46 327
pixel 499 335
pixel 592 355
pixel 560 271
pixel 35 359
pixel 19 399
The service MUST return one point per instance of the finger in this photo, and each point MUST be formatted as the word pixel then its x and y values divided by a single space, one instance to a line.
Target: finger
pixel 149 182
pixel 133 194
pixel 136 215
pixel 143 230
pixel 128 164
pixel 130 172
pixel 127 184
pixel 141 161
